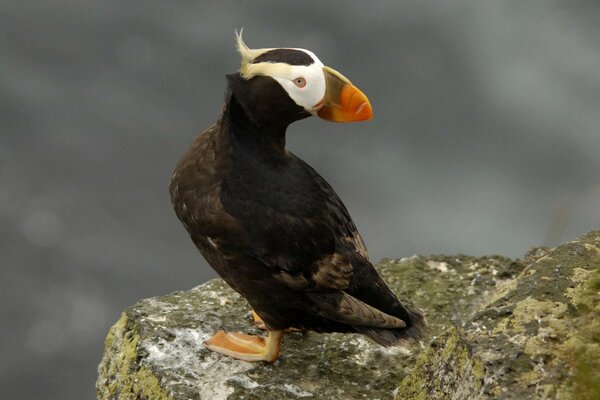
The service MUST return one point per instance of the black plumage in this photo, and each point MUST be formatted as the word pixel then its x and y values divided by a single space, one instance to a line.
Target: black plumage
pixel 274 229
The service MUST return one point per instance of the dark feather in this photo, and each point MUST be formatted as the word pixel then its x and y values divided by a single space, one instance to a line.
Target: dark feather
pixel 341 307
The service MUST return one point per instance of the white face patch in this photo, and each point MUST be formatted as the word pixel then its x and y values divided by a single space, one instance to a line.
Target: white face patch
pixel 305 84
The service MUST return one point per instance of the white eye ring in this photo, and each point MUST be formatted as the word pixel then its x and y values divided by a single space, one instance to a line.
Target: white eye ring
pixel 300 82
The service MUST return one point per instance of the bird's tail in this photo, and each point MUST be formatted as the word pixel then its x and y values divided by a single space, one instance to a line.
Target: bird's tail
pixel 415 329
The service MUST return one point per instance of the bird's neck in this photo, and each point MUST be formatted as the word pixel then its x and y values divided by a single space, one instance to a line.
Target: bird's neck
pixel 252 130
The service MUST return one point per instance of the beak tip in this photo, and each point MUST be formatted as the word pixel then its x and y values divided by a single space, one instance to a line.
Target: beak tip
pixel 364 112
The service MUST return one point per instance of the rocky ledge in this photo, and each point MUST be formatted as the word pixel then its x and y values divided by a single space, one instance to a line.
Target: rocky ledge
pixel 498 328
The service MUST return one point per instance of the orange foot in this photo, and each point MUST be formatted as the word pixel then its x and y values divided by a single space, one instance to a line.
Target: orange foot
pixel 246 347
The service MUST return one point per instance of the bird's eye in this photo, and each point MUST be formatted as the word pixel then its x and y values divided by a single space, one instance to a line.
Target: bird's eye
pixel 300 82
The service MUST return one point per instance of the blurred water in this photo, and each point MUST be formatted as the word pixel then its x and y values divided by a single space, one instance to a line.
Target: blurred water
pixel 486 140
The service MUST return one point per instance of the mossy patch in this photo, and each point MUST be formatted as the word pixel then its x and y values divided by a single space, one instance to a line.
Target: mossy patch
pixel 445 372
pixel 583 350
pixel 123 377
pixel 536 336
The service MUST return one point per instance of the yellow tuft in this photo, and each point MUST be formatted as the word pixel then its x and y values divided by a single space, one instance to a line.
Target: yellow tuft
pixel 248 55
pixel 243 50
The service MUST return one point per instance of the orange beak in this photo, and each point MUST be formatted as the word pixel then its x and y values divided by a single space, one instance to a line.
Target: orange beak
pixel 343 102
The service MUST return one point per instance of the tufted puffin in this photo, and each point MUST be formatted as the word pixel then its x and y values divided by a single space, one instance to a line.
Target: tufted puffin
pixel 269 224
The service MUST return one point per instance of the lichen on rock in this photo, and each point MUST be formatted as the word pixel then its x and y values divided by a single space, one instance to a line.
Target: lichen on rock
pixel 452 367
pixel 121 376
pixel 536 337
pixel 498 328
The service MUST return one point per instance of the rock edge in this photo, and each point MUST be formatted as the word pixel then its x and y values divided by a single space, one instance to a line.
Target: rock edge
pixel 498 328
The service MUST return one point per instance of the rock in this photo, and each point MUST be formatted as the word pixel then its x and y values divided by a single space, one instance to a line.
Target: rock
pixel 536 337
pixel 497 327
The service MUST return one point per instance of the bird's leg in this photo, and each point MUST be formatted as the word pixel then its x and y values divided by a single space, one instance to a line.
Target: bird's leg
pixel 260 324
pixel 246 347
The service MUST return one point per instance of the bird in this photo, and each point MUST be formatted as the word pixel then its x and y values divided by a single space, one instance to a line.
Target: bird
pixel 269 225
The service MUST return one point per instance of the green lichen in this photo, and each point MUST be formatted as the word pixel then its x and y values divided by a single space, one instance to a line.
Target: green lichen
pixel 525 316
pixel 586 380
pixel 444 373
pixel 583 350
pixel 130 380
pixel 537 336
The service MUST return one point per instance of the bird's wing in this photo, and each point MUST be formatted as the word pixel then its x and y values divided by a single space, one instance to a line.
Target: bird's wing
pixel 293 221
pixel 318 245
pixel 346 229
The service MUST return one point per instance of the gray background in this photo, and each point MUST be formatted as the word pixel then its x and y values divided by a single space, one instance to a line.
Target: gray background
pixel 485 140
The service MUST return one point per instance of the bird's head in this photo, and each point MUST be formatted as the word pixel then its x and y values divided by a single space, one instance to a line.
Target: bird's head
pixel 314 88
